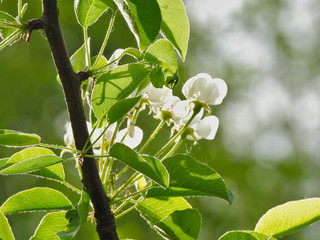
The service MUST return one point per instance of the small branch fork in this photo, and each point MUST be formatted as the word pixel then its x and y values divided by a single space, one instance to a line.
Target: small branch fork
pixel 71 83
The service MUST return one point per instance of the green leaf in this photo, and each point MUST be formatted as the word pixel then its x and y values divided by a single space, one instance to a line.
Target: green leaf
pixel 83 206
pixel 3 162
pixel 147 165
pixel 29 160
pixel 6 232
pixel 115 85
pixel 50 225
pixel 5 20
pixel 162 57
pixel 36 199
pixel 175 24
pixel 78 59
pixel 121 108
pixel 143 18
pixel 184 224
pixel 19 139
pixel 73 226
pixel 244 235
pixel 89 11
pixel 33 160
pixel 289 217
pixel 171 217
pixel 188 177
pixel 161 52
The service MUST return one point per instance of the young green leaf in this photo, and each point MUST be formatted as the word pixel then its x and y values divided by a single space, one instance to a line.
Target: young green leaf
pixel 147 165
pixel 143 18
pixel 184 224
pixel 175 24
pixel 29 160
pixel 35 161
pixel 121 108
pixel 6 232
pixel 171 217
pixel 115 85
pixel 50 225
pixel 6 22
pixel 72 227
pixel 162 57
pixel 36 199
pixel 289 217
pixel 89 11
pixel 188 177
pixel 3 162
pixel 244 235
pixel 162 53
pixel 18 139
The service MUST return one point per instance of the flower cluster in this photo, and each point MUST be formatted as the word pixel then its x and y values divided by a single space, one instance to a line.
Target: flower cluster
pixel 200 91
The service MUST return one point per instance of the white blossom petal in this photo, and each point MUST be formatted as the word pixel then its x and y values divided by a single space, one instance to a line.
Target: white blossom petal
pixel 131 142
pixel 204 88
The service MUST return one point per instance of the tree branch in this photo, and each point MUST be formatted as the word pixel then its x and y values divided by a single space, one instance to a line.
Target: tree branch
pixel 71 83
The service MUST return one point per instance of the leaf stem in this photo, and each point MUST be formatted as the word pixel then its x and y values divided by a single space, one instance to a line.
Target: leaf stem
pixel 196 110
pixel 87 46
pixel 113 17
pixel 59 147
pixel 155 132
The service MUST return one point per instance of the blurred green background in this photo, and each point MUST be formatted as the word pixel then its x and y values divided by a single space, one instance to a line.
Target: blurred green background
pixel 268 143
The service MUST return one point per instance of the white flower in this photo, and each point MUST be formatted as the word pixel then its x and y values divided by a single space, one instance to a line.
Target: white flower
pixel 204 88
pixel 117 53
pixel 133 141
pixel 157 97
pixel 182 112
pixel 206 128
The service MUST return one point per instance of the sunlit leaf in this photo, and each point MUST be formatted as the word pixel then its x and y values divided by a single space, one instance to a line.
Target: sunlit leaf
pixel 175 24
pixel 147 165
pixel 15 138
pixel 89 11
pixel 6 232
pixel 143 18
pixel 188 177
pixel 73 226
pixel 115 85
pixel 121 108
pixel 171 217
pixel 5 21
pixel 36 199
pixel 289 217
pixel 245 235
pixel 50 225
pixel 30 163
pixel 36 161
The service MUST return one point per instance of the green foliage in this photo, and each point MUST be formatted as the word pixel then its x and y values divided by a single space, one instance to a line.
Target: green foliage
pixel 36 199
pixel 115 85
pixel 143 19
pixel 289 217
pixel 6 232
pixel 50 224
pixel 171 217
pixel 175 24
pixel 245 235
pixel 17 139
pixel 147 165
pixel 189 177
pixel 89 11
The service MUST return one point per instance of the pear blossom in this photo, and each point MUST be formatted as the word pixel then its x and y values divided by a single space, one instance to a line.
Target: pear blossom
pixel 182 112
pixel 204 88
pixel 206 128
pixel 130 141
pixel 157 97
pixel 117 53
